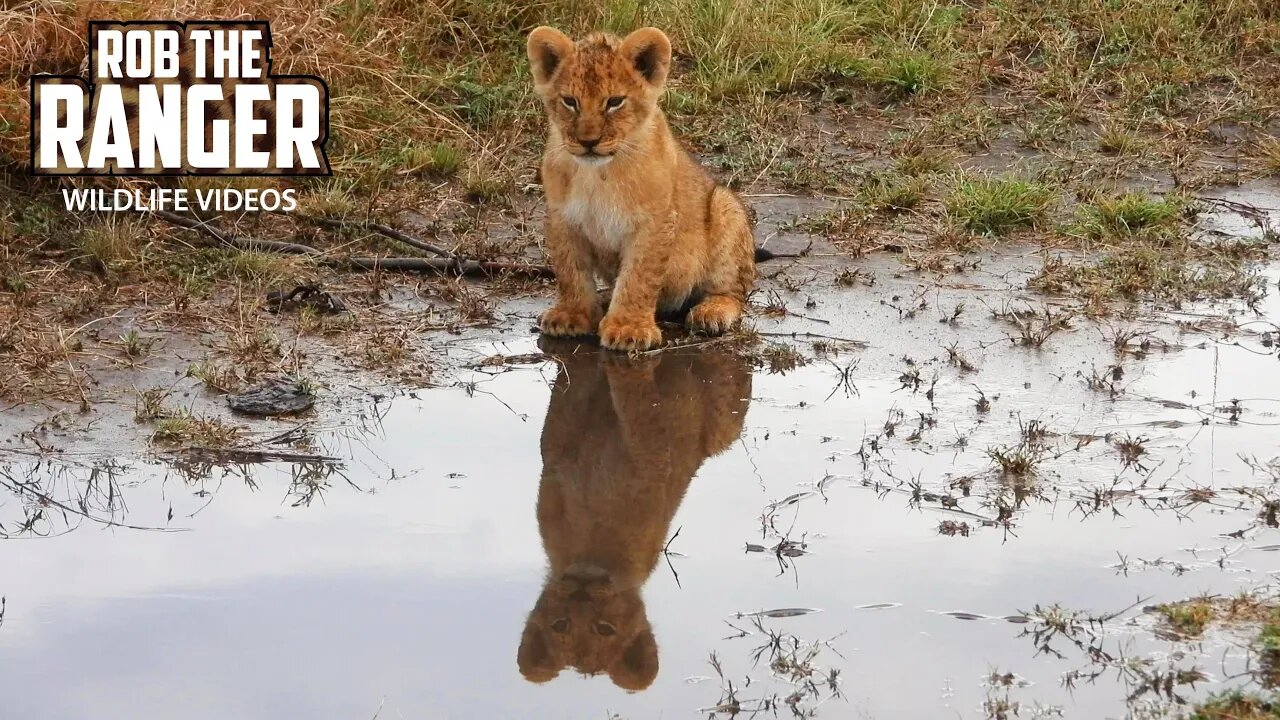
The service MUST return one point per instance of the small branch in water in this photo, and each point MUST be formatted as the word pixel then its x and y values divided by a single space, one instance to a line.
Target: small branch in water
pixel 21 489
pixel 666 554
pixel 798 335
pixel 220 456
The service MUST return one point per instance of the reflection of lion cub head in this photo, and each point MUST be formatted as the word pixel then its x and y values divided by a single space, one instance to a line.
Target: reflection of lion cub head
pixel 621 441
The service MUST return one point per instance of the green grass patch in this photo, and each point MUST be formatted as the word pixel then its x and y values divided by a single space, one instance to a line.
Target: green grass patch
pixel 200 269
pixel 998 205
pixel 185 428
pixel 1238 705
pixel 441 158
pixel 112 243
pixel 328 199
pixel 1188 619
pixel 1128 214
pixel 889 192
pixel 914 73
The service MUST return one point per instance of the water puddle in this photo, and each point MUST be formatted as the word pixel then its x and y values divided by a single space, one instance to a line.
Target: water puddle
pixel 921 523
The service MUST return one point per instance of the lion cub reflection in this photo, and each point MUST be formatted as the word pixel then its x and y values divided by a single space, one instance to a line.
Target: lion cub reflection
pixel 621 441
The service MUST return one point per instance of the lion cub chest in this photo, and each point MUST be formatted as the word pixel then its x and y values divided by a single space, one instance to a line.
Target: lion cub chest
pixel 599 208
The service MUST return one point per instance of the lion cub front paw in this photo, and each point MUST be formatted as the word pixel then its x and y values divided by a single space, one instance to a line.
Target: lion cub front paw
pixel 567 322
pixel 714 316
pixel 627 334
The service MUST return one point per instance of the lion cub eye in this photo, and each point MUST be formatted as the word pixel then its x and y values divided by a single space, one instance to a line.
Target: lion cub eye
pixel 614 102
pixel 570 102
pixel 561 625
pixel 604 629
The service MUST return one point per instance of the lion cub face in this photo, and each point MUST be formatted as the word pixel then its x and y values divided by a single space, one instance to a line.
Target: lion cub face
pixel 599 92
pixel 585 619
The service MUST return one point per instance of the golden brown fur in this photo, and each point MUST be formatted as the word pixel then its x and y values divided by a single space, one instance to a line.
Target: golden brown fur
pixel 621 441
pixel 625 203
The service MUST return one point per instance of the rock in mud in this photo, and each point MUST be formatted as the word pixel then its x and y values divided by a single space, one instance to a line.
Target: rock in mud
pixel 275 397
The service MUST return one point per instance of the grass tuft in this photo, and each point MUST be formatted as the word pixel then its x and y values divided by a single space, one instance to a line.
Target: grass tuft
pixel 1269 149
pixel 112 243
pixel 998 205
pixel 1128 214
pixel 1237 705
pixel 892 193
pixel 914 73
pixel 441 159
pixel 327 200
pixel 1188 619
pixel 483 184
pixel 1017 461
pixel 184 427
pixel 1116 140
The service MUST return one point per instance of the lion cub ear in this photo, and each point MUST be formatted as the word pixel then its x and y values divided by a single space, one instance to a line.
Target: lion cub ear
pixel 636 668
pixel 534 656
pixel 547 49
pixel 649 51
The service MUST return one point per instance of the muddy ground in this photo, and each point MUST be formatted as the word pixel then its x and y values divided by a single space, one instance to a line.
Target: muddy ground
pixel 902 494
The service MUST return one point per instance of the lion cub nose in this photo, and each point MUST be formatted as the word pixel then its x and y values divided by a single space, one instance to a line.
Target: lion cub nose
pixel 589 144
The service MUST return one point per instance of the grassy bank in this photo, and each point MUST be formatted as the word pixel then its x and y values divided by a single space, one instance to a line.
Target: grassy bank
pixel 940 127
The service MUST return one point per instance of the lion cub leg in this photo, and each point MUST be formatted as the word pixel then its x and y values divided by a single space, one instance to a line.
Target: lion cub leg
pixel 733 267
pixel 577 310
pixel 630 323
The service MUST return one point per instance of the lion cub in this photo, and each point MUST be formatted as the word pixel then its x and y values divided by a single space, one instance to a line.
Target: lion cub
pixel 621 443
pixel 625 203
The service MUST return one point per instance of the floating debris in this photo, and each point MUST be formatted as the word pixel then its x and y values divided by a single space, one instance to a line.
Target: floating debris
pixel 305 296
pixel 790 499
pixel 780 612
pixel 274 397
pixel 962 615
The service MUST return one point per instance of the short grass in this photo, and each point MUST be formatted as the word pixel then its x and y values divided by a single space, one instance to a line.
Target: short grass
pixel 1128 214
pixel 998 205
pixel 1238 705
pixel 1188 619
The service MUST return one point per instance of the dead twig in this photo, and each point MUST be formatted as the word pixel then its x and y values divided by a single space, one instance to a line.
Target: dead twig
pixel 379 228
pixel 231 241
pixel 447 266
pixel 451 265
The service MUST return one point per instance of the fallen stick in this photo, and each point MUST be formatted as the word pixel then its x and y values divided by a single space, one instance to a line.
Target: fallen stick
pixel 254 455
pixel 384 230
pixel 457 266
pixel 448 263
pixel 239 243
pixel 444 266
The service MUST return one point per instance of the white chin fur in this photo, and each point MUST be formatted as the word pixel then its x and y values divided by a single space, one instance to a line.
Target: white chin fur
pixel 593 160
